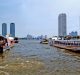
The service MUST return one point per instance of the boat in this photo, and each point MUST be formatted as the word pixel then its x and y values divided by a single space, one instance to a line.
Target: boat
pixel 44 41
pixel 16 40
pixel 6 43
pixel 6 48
pixel 51 40
pixel 72 45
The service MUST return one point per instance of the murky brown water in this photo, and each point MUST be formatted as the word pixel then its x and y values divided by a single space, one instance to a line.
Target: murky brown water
pixel 32 58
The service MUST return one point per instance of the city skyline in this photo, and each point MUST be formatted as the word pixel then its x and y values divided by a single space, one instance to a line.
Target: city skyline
pixel 39 17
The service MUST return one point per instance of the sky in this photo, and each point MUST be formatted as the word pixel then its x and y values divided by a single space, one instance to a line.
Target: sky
pixel 39 17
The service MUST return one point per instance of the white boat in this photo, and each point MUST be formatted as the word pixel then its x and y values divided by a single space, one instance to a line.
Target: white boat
pixel 51 40
pixel 6 48
pixel 6 43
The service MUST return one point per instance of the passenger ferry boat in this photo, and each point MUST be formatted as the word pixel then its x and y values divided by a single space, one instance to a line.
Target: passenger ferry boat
pixel 72 45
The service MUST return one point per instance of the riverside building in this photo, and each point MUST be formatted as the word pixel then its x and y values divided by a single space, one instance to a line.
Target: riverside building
pixel 12 29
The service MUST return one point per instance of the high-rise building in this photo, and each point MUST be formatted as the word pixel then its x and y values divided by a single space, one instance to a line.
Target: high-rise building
pixel 73 33
pixel 12 29
pixel 62 31
pixel 4 29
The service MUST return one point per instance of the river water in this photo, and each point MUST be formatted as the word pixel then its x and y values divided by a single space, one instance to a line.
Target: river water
pixel 31 58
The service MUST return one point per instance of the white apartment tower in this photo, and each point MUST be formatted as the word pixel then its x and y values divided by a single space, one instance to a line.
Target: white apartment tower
pixel 62 23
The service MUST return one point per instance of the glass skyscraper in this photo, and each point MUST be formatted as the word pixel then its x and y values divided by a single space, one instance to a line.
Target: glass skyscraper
pixel 4 29
pixel 62 30
pixel 12 29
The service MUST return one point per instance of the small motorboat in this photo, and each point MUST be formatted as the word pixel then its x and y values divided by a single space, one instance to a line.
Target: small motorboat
pixel 44 41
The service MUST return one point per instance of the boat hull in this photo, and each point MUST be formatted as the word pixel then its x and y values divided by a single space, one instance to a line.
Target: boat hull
pixel 70 48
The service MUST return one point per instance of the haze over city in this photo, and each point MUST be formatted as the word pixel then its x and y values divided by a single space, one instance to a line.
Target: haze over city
pixel 39 17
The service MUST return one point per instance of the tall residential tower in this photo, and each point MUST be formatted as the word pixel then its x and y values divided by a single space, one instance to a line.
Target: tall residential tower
pixel 4 29
pixel 62 30
pixel 12 29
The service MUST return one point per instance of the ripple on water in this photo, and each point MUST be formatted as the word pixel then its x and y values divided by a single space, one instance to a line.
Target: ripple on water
pixel 21 66
pixel 4 73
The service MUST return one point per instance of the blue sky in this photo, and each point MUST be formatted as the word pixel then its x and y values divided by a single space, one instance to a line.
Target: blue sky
pixel 39 17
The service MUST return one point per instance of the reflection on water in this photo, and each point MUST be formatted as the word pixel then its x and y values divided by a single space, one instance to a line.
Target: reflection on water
pixel 32 58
